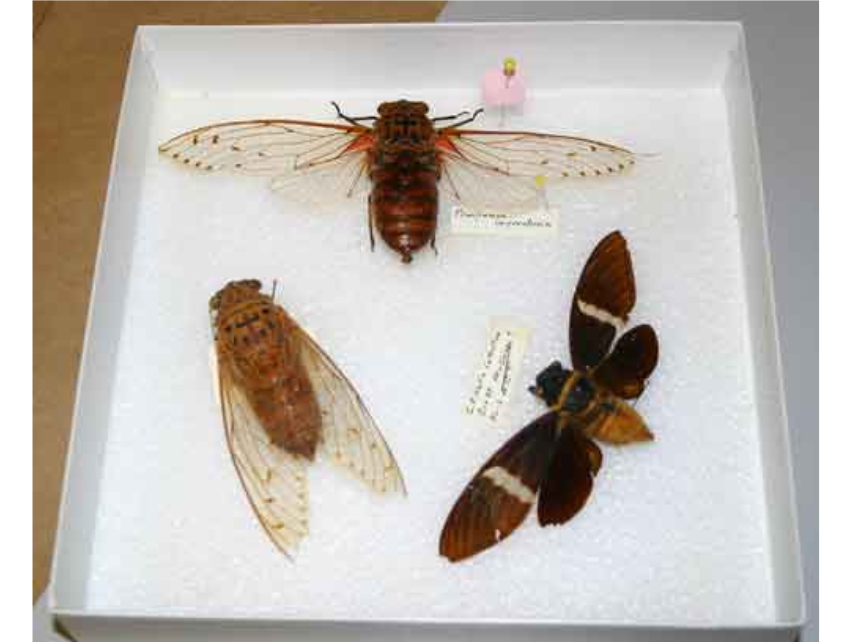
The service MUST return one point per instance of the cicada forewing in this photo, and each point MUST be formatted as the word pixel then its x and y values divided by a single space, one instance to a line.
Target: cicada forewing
pixel 319 164
pixel 349 435
pixel 604 296
pixel 501 171
pixel 498 498
pixel 273 479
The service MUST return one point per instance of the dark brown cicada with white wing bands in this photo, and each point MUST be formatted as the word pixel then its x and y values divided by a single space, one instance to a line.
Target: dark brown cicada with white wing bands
pixel 554 459
pixel 283 399
pixel 400 161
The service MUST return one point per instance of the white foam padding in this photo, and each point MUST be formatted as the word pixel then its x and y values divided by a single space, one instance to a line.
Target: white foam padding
pixel 674 531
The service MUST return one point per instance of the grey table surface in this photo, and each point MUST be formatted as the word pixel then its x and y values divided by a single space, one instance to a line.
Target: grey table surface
pixel 782 38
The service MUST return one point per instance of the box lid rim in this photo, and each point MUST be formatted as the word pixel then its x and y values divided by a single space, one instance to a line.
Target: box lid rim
pixel 268 620
pixel 442 26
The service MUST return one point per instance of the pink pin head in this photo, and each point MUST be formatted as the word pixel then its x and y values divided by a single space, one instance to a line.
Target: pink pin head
pixel 504 87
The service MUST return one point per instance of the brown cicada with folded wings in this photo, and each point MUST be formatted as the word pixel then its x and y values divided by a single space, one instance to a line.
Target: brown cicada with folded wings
pixel 282 400
pixel 554 459
pixel 400 161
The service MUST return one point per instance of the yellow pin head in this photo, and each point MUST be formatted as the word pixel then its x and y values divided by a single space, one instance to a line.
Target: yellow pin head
pixel 541 181
pixel 509 66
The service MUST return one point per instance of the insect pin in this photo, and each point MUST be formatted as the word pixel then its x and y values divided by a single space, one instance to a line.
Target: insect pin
pixel 504 88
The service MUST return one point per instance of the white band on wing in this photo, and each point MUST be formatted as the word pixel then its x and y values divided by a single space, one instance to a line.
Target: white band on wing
pixel 600 314
pixel 510 484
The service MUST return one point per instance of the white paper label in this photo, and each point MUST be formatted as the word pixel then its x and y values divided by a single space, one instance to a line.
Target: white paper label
pixel 542 222
pixel 497 372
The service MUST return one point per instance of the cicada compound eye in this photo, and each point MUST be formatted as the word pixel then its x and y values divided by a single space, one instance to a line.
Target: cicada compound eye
pixel 214 302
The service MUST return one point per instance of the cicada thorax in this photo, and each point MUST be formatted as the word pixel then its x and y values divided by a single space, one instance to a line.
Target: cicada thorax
pixel 583 402
pixel 404 170
pixel 256 341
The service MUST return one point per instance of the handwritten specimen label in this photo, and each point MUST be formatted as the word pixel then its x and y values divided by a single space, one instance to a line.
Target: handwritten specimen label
pixel 542 222
pixel 497 372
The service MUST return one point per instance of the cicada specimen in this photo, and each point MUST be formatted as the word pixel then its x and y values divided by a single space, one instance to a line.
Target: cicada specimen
pixel 400 159
pixel 554 459
pixel 283 400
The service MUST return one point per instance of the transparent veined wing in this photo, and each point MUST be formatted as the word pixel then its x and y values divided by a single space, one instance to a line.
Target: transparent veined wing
pixel 485 190
pixel 303 158
pixel 535 154
pixel 502 171
pixel 273 479
pixel 349 435
pixel 325 184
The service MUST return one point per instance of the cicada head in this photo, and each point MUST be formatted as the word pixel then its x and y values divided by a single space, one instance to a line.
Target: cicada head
pixel 234 292
pixel 550 382
pixel 404 124
pixel 403 108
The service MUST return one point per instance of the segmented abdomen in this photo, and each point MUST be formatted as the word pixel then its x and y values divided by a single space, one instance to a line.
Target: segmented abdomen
pixel 289 413
pixel 404 200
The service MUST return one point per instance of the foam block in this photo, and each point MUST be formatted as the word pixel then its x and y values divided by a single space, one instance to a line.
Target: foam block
pixel 674 531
